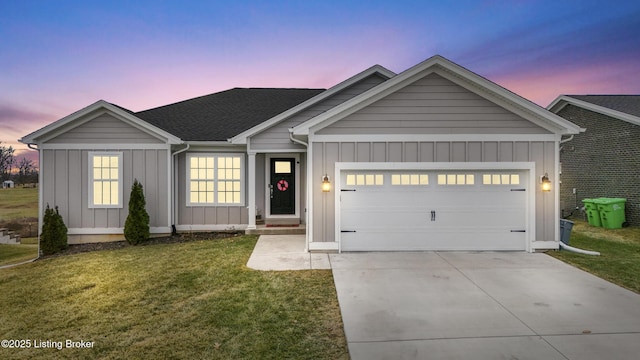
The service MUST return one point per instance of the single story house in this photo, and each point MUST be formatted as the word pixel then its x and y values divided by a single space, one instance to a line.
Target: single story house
pixel 604 161
pixel 8 184
pixel 433 158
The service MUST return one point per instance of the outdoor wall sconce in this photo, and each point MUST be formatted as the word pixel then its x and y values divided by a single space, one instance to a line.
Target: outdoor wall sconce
pixel 546 183
pixel 326 184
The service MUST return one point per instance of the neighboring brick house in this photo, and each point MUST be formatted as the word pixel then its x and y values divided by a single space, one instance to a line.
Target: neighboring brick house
pixel 603 161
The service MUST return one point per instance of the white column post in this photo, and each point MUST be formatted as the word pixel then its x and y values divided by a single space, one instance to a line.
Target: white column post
pixel 251 191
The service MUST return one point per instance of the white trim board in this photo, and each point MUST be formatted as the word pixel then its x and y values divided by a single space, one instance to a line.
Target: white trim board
pixel 113 231
pixel 110 146
pixel 212 227
pixel 432 137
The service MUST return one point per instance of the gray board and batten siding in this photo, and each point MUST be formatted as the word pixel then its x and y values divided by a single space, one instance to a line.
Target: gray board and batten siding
pixel 431 105
pixel 277 137
pixel 65 174
pixel 105 129
pixel 326 154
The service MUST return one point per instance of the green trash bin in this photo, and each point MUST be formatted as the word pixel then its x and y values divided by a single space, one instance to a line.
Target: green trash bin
pixel 612 212
pixel 593 215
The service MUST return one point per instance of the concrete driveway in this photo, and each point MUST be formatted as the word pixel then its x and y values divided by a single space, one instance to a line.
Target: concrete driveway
pixel 452 305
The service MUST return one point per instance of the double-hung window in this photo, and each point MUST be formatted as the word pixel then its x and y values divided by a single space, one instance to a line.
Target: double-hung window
pixel 215 179
pixel 105 179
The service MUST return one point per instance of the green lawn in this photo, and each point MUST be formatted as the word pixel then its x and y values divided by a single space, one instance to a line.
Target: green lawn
pixel 194 300
pixel 14 254
pixel 620 253
pixel 18 203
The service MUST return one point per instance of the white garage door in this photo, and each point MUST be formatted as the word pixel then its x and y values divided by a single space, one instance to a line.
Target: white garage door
pixel 433 210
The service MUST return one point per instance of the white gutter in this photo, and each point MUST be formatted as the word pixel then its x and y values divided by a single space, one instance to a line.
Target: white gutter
pixel 175 186
pixel 307 192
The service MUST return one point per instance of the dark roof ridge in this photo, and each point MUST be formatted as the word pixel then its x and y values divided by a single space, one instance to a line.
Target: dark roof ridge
pixel 222 115
pixel 220 93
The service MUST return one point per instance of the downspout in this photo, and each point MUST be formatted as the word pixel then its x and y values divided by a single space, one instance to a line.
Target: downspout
pixel 565 140
pixel 563 245
pixel 576 250
pixel 40 194
pixel 307 192
pixel 40 200
pixel 175 188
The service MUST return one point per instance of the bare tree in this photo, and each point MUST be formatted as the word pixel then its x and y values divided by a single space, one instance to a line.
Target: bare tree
pixel 27 172
pixel 6 161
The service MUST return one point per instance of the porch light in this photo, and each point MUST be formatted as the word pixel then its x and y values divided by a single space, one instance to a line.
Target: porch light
pixel 326 184
pixel 546 183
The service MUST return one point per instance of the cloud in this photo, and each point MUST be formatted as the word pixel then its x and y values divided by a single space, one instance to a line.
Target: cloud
pixel 15 122
pixel 11 115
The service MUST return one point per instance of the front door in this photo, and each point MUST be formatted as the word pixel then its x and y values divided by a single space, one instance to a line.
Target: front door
pixel 282 186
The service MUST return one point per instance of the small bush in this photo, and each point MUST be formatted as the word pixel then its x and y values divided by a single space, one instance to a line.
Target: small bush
pixel 54 232
pixel 136 227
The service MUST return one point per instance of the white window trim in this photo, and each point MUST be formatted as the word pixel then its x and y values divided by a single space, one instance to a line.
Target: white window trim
pixel 215 190
pixel 93 154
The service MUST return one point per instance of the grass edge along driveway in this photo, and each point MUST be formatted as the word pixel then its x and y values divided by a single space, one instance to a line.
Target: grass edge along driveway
pixel 186 300
pixel 619 261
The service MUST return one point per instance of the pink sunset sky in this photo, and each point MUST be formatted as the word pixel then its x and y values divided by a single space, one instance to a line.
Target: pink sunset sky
pixel 57 57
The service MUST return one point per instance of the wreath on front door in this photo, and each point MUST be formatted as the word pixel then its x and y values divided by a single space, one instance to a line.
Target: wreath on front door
pixel 282 185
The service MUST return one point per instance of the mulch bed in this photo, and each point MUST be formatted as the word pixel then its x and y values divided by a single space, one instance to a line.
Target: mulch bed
pixel 113 245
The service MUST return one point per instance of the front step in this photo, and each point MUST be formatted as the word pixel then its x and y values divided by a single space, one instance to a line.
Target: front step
pixel 9 237
pixel 282 222
pixel 279 230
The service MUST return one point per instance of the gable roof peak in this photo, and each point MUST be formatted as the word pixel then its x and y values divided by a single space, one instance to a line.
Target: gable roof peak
pixel 453 72
pixel 381 71
pixel 625 107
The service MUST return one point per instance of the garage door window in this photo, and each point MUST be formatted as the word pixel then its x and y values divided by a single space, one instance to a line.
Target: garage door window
pixel 456 179
pixel 409 179
pixel 365 179
pixel 501 179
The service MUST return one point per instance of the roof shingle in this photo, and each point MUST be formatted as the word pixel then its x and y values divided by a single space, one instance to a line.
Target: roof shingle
pixel 629 104
pixel 222 115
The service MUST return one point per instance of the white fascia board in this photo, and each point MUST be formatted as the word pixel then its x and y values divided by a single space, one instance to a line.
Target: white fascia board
pixel 242 137
pixel 56 128
pixel 420 70
pixel 108 146
pixel 563 100
pixel 507 99
pixel 31 138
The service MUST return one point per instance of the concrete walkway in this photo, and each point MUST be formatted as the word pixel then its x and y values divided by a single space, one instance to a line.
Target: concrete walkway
pixel 464 305
pixel 285 252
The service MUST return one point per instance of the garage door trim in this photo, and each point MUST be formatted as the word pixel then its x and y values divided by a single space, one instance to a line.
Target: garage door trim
pixel 445 166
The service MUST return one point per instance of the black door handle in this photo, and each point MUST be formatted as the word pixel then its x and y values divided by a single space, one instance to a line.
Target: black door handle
pixel 433 215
